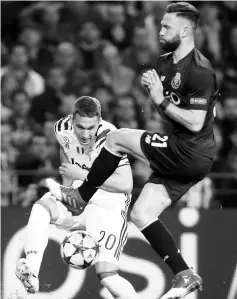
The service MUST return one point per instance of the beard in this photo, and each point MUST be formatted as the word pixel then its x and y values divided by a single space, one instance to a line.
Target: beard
pixel 172 45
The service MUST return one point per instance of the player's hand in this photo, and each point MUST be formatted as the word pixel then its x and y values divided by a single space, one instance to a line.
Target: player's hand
pixel 72 171
pixel 145 81
pixel 152 82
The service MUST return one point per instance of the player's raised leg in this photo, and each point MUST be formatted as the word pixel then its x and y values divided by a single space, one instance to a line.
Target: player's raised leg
pixel 117 143
pixel 27 269
pixel 44 211
pixel 153 200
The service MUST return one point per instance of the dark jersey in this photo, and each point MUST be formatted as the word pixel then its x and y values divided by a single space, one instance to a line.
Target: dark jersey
pixel 191 84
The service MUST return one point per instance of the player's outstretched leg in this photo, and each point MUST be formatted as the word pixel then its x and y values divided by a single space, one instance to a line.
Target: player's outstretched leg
pixel 27 269
pixel 152 201
pixel 184 283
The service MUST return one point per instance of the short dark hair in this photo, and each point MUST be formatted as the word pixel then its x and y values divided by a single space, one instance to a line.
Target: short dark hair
pixel 185 10
pixel 87 106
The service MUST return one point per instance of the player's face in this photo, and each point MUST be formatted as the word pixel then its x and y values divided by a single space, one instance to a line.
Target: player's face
pixel 170 32
pixel 85 128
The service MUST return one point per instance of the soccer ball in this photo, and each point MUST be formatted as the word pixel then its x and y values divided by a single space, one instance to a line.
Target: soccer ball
pixel 79 250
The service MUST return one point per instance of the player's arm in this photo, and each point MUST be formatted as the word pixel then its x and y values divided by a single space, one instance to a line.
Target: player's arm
pixel 200 89
pixel 120 181
pixel 199 92
pixel 193 120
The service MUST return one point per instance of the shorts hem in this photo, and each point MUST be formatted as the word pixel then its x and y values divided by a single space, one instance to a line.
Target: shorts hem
pixel 142 146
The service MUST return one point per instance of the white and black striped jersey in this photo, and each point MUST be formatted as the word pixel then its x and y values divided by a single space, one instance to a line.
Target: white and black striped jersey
pixel 84 156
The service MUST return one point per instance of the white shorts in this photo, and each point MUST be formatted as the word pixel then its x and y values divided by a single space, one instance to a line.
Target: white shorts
pixel 108 227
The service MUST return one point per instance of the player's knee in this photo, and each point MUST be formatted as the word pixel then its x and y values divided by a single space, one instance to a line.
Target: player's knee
pixel 49 203
pixel 105 269
pixel 103 275
pixel 141 216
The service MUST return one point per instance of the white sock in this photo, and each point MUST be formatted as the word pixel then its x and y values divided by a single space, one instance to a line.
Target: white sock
pixel 119 287
pixel 37 236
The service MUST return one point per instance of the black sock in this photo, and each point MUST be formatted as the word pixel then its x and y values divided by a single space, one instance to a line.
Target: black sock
pixel 163 243
pixel 102 168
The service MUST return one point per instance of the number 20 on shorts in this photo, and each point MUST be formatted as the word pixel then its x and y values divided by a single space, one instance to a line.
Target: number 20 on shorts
pixel 158 141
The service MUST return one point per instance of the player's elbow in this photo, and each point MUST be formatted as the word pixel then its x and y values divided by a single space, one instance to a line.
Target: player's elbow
pixel 196 128
pixel 197 121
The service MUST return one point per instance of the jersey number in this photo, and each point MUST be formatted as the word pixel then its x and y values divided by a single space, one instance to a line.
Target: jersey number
pixel 158 141
pixel 110 240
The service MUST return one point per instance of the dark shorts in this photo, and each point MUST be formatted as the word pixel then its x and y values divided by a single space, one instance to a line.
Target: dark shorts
pixel 175 165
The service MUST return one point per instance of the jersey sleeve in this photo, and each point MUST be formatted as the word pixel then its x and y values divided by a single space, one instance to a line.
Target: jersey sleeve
pixel 61 134
pixel 103 130
pixel 200 89
pixel 124 161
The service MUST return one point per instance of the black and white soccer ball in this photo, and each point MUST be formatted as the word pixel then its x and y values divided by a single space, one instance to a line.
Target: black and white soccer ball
pixel 79 250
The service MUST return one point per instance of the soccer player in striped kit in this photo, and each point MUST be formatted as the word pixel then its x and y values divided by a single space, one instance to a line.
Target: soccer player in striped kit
pixel 81 137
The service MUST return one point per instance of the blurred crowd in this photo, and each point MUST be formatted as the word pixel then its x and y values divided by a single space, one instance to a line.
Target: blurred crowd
pixel 54 52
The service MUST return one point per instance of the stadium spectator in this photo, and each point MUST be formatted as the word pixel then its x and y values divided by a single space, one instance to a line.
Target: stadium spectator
pixel 105 94
pixel 32 38
pixel 22 125
pixel 124 113
pixel 67 58
pixel 52 144
pixel 212 27
pixel 91 45
pixel 34 163
pixel 118 30
pixel 229 123
pixel 4 54
pixel 18 74
pixel 231 60
pixel 8 157
pixel 45 16
pixel 233 138
pixel 139 55
pixel 228 186
pixel 5 113
pixel 47 105
pixel 113 73
pixel 152 12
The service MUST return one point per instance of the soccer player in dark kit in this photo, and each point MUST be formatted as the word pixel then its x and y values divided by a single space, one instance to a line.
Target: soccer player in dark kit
pixel 184 89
